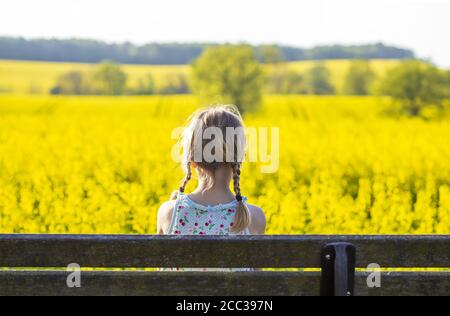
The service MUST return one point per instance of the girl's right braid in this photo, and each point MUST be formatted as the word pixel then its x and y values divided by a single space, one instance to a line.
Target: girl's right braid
pixel 242 216
pixel 236 178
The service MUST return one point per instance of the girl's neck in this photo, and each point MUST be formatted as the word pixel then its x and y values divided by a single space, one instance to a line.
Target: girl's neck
pixel 212 196
pixel 218 193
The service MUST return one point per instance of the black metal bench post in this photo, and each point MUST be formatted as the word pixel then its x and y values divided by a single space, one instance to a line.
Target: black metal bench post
pixel 338 269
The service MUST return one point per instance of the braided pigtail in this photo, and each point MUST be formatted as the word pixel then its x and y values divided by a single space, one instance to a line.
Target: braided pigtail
pixel 185 181
pixel 242 216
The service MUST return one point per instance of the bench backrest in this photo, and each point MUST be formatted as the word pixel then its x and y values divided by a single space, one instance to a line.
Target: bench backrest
pixel 270 251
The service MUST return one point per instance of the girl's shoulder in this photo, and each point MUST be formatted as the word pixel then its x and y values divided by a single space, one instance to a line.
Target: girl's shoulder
pixel 165 214
pixel 167 210
pixel 257 220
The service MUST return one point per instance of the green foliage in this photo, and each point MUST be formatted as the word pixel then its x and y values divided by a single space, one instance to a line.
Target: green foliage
pixel 109 79
pixel 319 80
pixel 146 85
pixel 359 78
pixel 369 51
pixel 174 83
pixel 415 85
pixel 229 74
pixel 286 81
pixel 447 83
pixel 72 82
pixel 270 54
pixel 280 78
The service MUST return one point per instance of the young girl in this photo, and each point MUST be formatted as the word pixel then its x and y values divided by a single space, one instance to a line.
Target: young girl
pixel 212 209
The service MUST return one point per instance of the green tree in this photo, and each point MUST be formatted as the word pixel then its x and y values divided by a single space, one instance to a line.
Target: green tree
pixel 279 79
pixel 359 78
pixel 271 54
pixel 108 78
pixel 72 82
pixel 174 83
pixel 319 80
pixel 415 84
pixel 230 73
pixel 286 81
pixel 146 85
pixel 447 83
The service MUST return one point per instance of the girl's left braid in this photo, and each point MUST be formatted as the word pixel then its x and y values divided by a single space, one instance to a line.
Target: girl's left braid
pixel 186 178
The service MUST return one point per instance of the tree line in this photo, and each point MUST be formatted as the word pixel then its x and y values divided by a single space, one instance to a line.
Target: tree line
pixel 93 51
pixel 236 75
pixel 108 78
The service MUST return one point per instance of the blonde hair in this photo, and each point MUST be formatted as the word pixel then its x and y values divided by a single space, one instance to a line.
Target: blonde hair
pixel 221 117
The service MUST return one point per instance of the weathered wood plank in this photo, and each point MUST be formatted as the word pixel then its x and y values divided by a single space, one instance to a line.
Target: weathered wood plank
pixel 160 283
pixel 19 250
pixel 212 283
pixel 406 283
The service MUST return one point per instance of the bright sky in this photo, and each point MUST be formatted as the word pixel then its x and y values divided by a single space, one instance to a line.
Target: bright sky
pixel 422 25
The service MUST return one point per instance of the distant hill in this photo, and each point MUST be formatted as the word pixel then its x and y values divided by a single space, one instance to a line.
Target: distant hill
pixel 92 51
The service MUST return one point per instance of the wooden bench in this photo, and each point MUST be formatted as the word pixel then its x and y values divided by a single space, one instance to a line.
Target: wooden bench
pixel 334 254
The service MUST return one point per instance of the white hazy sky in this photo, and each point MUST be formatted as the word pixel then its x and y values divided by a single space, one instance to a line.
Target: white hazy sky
pixel 422 25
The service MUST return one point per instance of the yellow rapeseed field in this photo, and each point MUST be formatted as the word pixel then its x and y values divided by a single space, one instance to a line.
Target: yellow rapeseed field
pixel 103 165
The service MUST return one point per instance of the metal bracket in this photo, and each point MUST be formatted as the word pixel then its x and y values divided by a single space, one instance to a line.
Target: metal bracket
pixel 338 269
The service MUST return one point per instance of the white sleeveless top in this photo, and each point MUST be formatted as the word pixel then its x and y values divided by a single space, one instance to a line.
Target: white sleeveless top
pixel 191 218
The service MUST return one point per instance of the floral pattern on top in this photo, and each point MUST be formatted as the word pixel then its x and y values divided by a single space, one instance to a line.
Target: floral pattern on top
pixel 191 218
